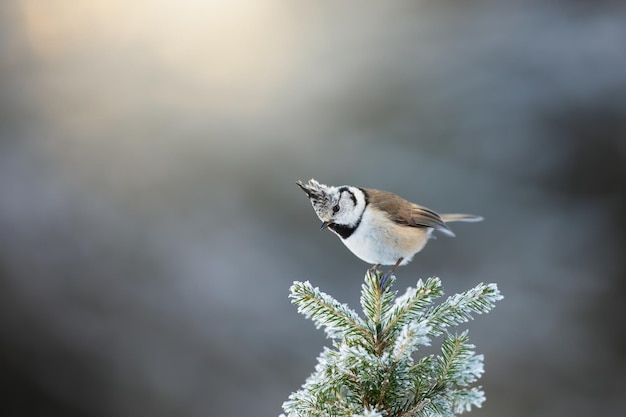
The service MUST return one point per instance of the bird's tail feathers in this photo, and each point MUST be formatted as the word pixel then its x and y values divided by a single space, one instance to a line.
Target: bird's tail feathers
pixel 461 218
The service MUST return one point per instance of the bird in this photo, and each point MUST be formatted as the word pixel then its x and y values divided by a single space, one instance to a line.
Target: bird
pixel 379 227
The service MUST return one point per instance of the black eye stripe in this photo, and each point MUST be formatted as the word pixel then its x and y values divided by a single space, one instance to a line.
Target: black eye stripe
pixel 352 196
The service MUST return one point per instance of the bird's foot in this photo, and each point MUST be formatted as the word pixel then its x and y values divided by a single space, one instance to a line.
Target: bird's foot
pixel 374 269
pixel 384 279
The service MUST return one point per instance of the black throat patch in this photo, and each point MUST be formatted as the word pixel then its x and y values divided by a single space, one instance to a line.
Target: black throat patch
pixel 344 232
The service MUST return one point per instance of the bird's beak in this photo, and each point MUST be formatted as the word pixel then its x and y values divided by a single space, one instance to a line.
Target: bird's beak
pixel 324 225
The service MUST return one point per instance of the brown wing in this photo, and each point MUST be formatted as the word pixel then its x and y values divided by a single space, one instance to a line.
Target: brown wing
pixel 406 213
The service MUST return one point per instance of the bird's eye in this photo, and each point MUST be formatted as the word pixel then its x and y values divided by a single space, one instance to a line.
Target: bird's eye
pixel 335 208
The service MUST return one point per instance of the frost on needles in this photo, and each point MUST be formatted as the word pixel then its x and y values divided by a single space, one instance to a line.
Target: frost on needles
pixel 371 369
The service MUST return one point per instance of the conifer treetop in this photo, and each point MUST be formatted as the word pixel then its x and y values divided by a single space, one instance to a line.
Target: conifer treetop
pixel 371 370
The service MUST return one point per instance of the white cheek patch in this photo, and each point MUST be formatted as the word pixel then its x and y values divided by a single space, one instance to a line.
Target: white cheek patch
pixel 352 205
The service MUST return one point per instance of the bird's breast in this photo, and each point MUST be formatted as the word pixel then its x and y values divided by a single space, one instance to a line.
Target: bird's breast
pixel 379 240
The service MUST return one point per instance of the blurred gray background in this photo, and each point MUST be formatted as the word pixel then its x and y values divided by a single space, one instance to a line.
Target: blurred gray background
pixel 150 225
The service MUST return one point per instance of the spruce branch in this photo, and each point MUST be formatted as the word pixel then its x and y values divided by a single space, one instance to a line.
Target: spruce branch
pixel 370 371
pixel 337 319
pixel 410 306
pixel 458 308
pixel 375 302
